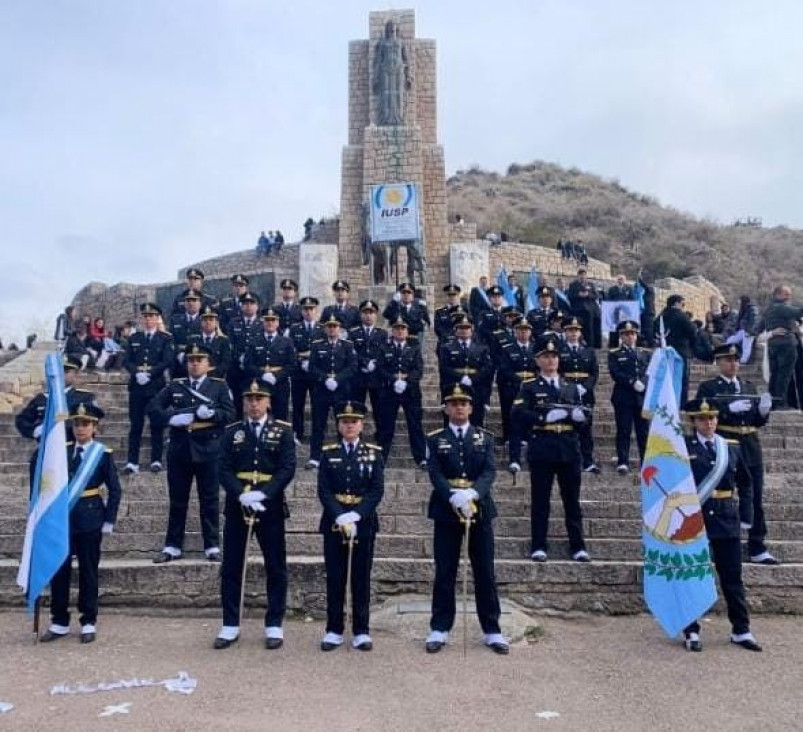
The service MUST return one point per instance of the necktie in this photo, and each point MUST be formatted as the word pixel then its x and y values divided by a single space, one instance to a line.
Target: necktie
pixel 460 433
pixel 255 429
pixel 194 386
pixel 349 449
pixel 148 337
pixel 735 386
pixel 77 457
pixel 555 384
pixel 270 340
pixel 709 448
pixel 208 340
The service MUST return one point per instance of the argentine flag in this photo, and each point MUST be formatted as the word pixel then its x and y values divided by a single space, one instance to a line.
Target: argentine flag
pixel 47 536
pixel 532 290
pixel 507 290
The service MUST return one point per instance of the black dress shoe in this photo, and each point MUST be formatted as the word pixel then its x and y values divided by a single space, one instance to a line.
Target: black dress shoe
pixel 163 557
pixel 434 646
pixel 365 646
pixel 696 645
pixel 273 643
pixel 221 643
pixel 501 648
pixel 748 645
pixel 213 557
pixel 325 646
pixel 87 637
pixel 48 636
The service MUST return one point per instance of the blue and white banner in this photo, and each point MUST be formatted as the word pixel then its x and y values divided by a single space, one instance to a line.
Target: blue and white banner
pixel 679 582
pixel 504 285
pixel 47 534
pixel 394 212
pixel 532 290
pixel 614 313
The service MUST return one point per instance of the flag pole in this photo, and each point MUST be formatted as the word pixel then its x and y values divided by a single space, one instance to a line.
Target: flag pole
pixel 35 630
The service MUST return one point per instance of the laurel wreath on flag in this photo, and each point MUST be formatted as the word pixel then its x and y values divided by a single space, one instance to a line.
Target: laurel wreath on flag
pixel 678 565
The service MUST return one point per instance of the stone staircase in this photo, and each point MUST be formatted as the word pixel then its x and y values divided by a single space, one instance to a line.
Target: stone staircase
pixel 611 508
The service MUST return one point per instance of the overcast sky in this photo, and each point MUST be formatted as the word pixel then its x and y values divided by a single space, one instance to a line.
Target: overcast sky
pixel 138 136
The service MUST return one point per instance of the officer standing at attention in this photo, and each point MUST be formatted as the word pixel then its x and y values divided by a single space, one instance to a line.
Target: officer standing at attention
pixel 214 341
pixel 342 310
pixel 540 317
pixel 231 307
pixel 257 462
pixel 412 310
pixel 91 466
pixel 718 472
pixel 462 472
pixel 195 283
pixel 781 320
pixel 579 365
pixel 628 368
pixel 184 325
pixel 368 343
pixel 549 408
pixel 332 364
pixel 242 330
pixel 517 365
pixel 492 319
pixel 446 315
pixel 350 486
pixel 197 409
pixel 30 420
pixel 303 335
pixel 288 309
pixel 401 367
pixel 740 419
pixel 271 358
pixel 149 354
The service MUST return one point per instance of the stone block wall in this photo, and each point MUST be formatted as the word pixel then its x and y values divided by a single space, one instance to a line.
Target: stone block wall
pixel 521 257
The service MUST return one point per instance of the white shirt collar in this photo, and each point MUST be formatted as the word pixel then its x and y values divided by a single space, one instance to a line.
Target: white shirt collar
pixel 702 440
pixel 354 444
pixel 454 427
pixel 200 380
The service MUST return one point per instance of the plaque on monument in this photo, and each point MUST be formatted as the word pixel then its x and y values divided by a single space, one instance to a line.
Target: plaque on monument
pixel 468 261
pixel 317 269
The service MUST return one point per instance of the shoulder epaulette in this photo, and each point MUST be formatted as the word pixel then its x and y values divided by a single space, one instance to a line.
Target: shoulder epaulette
pixel 69 443
pixel 519 401
pixel 317 340
pixel 527 381
pixel 732 442
pixel 85 391
pixel 613 350
pixel 330 447
pixel 372 446
pixel 222 336
pixel 183 379
pixel 234 424
pixel 109 450
pixel 217 378
pixel 282 422
pixel 507 345
pixel 436 432
pixel 354 327
pixel 499 330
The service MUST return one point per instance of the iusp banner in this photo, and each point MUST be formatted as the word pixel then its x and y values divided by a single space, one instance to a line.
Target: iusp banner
pixel 394 212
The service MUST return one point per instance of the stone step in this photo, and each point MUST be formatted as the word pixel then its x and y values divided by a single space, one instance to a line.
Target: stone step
pixel 611 587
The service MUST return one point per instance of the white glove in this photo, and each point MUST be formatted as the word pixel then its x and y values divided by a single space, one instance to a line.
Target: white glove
pixel 399 386
pixel 241 359
pixel 514 468
pixel 578 415
pixel 739 406
pixel 269 378
pixel 638 385
pixel 37 431
pixel 305 365
pixel 556 415
pixel 84 361
pixel 348 523
pixel 371 366
pixel 205 412
pixel 765 404
pixel 252 500
pixel 581 390
pixel 466 380
pixel 107 528
pixel 331 384
pixel 181 420
pixel 142 377
pixel 180 357
pixel 745 526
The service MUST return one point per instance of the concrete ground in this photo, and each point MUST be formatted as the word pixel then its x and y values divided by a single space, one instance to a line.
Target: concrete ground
pixel 596 673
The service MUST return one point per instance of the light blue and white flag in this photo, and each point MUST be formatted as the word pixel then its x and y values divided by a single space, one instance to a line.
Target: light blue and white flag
pixel 47 534
pixel 507 290
pixel 532 289
pixel 679 582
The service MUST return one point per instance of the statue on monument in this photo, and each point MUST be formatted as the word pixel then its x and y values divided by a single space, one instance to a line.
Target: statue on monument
pixel 392 76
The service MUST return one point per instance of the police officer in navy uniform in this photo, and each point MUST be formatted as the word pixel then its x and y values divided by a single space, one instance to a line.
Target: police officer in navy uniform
pixel 149 353
pixel 548 409
pixel 465 360
pixel 184 325
pixel 288 309
pixel 231 307
pixel 401 367
pixel 271 358
pixel 579 365
pixel 413 311
pixel 462 472
pixel 257 463
pixel 369 342
pixel 214 341
pixel 332 364
pixel 492 319
pixel 723 518
pixel 30 420
pixel 446 315
pixel 348 315
pixel 242 330
pixel 517 365
pixel 303 335
pixel 195 283
pixel 350 487
pixel 90 519
pixel 540 316
pixel 740 419
pixel 627 365
pixel 197 409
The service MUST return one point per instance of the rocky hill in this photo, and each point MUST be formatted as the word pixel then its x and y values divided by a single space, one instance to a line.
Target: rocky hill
pixel 541 202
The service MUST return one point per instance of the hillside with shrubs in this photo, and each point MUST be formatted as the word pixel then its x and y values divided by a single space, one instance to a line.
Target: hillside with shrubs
pixel 542 202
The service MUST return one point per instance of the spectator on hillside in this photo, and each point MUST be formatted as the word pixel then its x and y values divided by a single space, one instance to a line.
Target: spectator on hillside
pixel 308 224
pixel 583 298
pixel 65 324
pixel 264 245
pixel 278 241
pixel 646 337
pixel 30 340
pixel 518 293
pixel 620 292
pixel 721 318
pixel 78 346
pixel 13 347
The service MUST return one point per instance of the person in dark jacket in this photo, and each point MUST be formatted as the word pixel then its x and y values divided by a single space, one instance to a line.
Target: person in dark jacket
pixel 681 335
pixel 723 518
pixel 214 341
pixel 781 320
pixel 462 472
pixel 90 519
